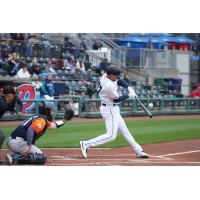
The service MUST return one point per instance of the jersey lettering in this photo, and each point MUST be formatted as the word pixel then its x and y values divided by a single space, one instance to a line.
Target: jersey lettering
pixel 38 125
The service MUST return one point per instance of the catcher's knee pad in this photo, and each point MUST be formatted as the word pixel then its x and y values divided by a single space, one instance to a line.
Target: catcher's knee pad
pixel 32 158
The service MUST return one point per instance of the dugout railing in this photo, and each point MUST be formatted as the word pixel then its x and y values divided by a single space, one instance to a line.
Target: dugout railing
pixel 89 108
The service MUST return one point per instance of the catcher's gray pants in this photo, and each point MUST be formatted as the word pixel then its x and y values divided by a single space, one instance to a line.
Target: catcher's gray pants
pixel 2 138
pixel 18 145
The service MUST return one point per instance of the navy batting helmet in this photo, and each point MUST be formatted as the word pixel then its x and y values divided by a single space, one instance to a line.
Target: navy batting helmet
pixel 113 70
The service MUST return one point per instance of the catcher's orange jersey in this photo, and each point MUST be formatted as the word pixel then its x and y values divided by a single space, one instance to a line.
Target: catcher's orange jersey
pixel 39 124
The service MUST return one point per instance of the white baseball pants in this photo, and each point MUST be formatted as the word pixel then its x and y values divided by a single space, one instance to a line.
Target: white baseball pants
pixel 18 145
pixel 114 123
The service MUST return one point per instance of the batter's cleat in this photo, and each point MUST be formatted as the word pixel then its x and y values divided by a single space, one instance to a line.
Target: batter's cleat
pixel 83 149
pixel 10 159
pixel 142 154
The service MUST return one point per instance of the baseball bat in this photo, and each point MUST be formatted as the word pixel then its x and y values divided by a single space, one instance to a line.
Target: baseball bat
pixel 143 106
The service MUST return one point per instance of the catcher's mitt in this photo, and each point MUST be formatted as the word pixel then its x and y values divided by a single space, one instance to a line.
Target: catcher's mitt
pixel 69 114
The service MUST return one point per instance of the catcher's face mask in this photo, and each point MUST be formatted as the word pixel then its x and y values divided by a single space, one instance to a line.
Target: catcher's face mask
pixel 47 109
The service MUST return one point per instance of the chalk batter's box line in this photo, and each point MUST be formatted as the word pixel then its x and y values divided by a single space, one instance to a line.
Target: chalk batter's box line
pixel 116 155
pixel 180 153
pixel 122 163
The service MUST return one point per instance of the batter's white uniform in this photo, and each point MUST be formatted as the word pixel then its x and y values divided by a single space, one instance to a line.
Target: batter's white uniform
pixel 113 119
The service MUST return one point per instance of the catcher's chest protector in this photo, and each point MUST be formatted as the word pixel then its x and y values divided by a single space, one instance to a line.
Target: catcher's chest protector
pixel 37 122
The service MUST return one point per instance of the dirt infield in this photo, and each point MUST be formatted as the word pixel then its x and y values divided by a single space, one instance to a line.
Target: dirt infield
pixel 177 153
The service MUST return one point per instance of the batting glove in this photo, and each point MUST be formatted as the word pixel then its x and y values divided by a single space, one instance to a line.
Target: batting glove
pixel 131 93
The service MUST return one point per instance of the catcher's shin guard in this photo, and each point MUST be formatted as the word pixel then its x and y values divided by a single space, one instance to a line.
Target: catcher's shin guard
pixel 32 158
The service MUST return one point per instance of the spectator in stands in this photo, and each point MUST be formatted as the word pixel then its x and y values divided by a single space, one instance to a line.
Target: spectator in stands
pixel 12 64
pixel 83 44
pixel 89 75
pixel 149 45
pixel 82 101
pixel 46 43
pixel 5 50
pixel 35 68
pixel 90 90
pixel 17 36
pixel 103 66
pixel 23 72
pixel 28 51
pixel 78 74
pixel 148 54
pixel 126 78
pixel 47 46
pixel 60 63
pixel 80 65
pixel 50 69
pixel 37 85
pixel 70 47
pixel 34 42
pixel 6 36
pixel 74 106
pixel 17 43
pixel 68 43
pixel 47 89
pixel 32 39
pixel 97 45
pixel 69 63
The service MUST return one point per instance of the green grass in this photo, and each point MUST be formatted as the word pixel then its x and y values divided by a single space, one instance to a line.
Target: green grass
pixel 144 131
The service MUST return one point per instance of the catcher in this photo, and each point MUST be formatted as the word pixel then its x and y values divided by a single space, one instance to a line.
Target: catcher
pixel 22 140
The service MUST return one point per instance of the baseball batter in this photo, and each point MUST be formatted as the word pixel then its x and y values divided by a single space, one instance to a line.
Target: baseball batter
pixel 110 99
pixel 22 140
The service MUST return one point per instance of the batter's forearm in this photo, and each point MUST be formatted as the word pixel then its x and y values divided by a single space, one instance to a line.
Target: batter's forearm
pixel 121 98
pixel 57 124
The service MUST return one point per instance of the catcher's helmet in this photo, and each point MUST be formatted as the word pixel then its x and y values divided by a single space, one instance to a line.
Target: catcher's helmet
pixel 113 70
pixel 47 109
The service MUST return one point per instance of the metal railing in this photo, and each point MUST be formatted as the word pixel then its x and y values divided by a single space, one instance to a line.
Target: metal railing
pixel 118 55
pixel 152 58
pixel 161 106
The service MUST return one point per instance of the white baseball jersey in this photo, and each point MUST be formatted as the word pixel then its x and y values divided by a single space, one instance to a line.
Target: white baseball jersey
pixel 108 90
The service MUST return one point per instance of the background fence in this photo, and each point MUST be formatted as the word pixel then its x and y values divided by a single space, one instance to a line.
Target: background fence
pixel 90 107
